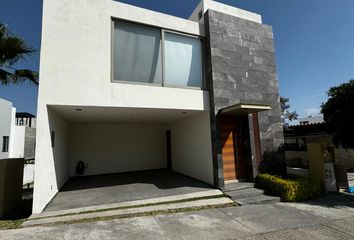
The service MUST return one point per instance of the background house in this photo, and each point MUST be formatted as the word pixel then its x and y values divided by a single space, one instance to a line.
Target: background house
pixel 297 137
pixel 7 124
pixel 17 142
pixel 17 137
pixel 303 161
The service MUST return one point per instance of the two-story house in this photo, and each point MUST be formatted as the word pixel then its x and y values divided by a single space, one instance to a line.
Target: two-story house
pixel 126 89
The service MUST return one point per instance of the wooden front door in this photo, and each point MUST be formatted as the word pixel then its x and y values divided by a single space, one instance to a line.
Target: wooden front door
pixel 231 140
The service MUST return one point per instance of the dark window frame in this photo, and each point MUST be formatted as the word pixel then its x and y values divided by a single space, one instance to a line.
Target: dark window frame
pixel 5 143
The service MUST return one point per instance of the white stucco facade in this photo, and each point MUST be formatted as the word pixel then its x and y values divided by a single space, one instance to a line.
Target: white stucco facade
pixel 76 72
pixel 191 147
pixel 17 142
pixel 117 147
pixel 7 118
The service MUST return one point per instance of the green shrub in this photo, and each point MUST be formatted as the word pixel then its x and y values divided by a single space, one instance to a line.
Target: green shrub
pixel 290 190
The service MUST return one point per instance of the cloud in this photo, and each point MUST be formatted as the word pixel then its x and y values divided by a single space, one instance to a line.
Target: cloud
pixel 312 111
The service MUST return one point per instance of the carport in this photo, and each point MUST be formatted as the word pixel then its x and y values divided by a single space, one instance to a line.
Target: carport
pixel 128 153
pixel 126 187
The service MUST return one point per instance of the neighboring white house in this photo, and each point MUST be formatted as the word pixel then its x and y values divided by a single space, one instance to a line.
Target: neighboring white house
pixel 7 124
pixel 311 120
pixel 116 80
pixel 17 136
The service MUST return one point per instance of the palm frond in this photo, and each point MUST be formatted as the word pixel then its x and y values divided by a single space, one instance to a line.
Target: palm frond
pixel 18 76
pixel 12 47
pixel 26 74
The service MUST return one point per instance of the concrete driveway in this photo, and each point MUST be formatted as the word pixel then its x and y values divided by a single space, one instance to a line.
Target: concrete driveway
pixel 123 187
pixel 331 217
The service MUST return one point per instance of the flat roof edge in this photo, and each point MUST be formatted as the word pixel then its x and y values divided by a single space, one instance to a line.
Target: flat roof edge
pixel 205 5
pixel 136 14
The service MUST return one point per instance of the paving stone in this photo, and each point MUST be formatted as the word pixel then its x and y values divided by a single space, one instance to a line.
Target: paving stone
pixel 245 193
pixel 260 199
pixel 269 221
pixel 237 186
pixel 308 233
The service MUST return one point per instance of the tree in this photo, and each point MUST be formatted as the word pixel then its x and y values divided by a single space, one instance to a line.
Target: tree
pixel 338 114
pixel 286 115
pixel 12 49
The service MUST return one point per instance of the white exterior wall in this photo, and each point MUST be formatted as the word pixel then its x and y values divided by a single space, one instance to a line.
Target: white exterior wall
pixel 6 122
pixel 17 142
pixel 76 58
pixel 191 147
pixel 112 148
pixel 52 165
pixel 75 70
pixel 28 173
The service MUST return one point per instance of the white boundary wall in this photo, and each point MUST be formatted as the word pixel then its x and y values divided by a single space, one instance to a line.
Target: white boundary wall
pixel 17 142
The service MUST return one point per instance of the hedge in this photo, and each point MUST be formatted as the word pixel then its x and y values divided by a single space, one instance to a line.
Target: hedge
pixel 290 190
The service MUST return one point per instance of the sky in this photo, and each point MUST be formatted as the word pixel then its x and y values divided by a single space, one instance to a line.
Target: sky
pixel 314 43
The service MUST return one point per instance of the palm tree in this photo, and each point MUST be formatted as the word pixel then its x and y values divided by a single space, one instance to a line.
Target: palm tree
pixel 12 49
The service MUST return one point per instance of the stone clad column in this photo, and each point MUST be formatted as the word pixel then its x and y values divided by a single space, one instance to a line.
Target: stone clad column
pixel 240 68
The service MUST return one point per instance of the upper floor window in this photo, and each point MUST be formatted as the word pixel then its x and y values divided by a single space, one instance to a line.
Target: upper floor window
pixel 150 55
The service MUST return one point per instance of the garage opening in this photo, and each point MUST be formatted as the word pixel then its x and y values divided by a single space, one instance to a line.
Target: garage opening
pixel 128 154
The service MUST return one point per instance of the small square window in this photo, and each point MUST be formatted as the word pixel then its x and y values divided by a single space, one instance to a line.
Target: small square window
pixel 5 143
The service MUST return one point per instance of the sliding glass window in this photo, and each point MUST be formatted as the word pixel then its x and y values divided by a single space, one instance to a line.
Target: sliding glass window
pixel 137 53
pixel 155 56
pixel 183 60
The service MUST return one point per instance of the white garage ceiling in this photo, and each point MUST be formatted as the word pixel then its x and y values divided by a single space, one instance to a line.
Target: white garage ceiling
pixel 88 114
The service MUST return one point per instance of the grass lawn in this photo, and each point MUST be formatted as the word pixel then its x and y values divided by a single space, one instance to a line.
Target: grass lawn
pixel 17 216
pixel 10 224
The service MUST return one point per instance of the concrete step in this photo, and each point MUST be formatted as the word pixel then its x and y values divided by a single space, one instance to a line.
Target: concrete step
pixel 244 193
pixel 132 204
pixel 260 199
pixel 237 186
pixel 130 212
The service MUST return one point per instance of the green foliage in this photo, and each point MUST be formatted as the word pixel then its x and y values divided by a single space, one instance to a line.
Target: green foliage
pixel 338 113
pixel 10 224
pixel 12 49
pixel 273 162
pixel 290 190
pixel 286 115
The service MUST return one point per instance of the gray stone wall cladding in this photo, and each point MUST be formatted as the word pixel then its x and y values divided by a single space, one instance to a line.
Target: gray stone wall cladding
pixel 241 68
